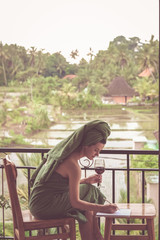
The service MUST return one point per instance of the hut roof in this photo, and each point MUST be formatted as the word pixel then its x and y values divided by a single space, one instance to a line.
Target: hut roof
pixel 119 87
pixel 146 73
pixel 70 76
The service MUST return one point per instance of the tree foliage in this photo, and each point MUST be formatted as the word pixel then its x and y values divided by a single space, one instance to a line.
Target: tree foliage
pixel 43 73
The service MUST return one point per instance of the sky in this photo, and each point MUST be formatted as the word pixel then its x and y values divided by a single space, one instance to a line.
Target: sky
pixel 66 25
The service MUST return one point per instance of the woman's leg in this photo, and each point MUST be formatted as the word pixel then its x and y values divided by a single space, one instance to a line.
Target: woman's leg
pixel 86 229
pixel 90 229
pixel 96 231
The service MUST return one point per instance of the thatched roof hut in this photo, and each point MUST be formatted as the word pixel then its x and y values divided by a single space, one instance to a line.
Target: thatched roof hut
pixel 147 72
pixel 120 91
pixel 70 76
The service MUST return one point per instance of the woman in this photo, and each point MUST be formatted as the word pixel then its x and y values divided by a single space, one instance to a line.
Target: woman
pixel 58 189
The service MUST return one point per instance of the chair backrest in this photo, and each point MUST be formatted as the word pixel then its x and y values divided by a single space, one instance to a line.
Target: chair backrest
pixel 11 174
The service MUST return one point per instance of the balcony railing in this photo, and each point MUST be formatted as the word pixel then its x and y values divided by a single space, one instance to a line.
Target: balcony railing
pixel 107 154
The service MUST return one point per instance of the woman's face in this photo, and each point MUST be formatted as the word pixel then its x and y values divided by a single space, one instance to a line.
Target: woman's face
pixel 93 151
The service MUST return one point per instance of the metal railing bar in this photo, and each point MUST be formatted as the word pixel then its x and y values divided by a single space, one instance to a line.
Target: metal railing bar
pixel 113 186
pixel 159 192
pixel 143 193
pixel 123 169
pixel 113 192
pixel 143 186
pixel 29 176
pixel 128 184
pixel 25 150
pixel 106 151
pixel 131 152
pixel 3 212
pixel 128 179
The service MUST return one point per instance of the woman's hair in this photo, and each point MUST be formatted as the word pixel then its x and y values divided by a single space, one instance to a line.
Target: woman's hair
pixel 103 141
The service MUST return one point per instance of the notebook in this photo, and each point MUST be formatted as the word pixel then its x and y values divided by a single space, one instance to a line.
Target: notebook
pixel 120 212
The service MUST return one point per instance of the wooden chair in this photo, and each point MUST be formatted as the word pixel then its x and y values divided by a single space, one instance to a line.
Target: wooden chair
pixel 141 211
pixel 24 221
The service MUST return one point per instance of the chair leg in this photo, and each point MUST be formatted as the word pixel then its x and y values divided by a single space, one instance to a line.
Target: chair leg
pixel 72 227
pixel 150 227
pixel 64 229
pixel 15 237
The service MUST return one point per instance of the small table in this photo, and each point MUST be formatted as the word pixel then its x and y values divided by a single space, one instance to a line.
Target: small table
pixel 138 211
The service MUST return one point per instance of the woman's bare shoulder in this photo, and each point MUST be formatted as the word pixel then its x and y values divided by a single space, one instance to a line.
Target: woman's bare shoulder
pixel 69 166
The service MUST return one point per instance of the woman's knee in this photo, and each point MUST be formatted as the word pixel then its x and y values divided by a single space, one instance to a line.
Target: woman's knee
pixel 86 189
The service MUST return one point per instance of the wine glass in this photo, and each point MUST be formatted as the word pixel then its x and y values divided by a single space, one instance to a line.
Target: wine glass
pixel 99 165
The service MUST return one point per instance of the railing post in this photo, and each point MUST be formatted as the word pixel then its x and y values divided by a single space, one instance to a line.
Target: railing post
pixel 143 186
pixel 113 191
pixel 128 179
pixel 143 191
pixel 128 185
pixel 29 176
pixel 159 195
pixel 3 217
pixel 113 186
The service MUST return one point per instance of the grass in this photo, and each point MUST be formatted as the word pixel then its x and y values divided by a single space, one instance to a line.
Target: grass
pixel 8 229
pixel 13 89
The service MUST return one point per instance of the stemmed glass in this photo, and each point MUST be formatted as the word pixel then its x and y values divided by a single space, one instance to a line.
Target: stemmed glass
pixel 99 165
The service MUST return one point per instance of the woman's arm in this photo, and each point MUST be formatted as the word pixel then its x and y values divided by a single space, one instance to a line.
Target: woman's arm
pixel 74 174
pixel 96 178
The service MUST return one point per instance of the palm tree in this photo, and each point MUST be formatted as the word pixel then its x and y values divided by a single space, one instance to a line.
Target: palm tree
pixel 148 57
pixel 29 160
pixel 22 53
pixel 33 53
pixel 40 61
pixel 83 78
pixel 134 43
pixel 3 58
pixel 143 87
pixel 56 65
pixel 122 57
pixel 15 62
pixel 74 54
pixel 91 54
pixel 69 92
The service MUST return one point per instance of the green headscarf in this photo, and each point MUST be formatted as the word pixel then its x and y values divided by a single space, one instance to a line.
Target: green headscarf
pixel 89 134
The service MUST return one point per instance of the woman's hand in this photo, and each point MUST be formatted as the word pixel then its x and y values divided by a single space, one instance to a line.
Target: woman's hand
pixel 96 178
pixel 110 208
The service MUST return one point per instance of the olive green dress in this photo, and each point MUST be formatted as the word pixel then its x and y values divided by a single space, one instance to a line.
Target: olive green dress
pixel 51 199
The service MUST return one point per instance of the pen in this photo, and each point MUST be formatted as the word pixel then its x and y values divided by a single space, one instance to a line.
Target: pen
pixel 111 203
pixel 108 201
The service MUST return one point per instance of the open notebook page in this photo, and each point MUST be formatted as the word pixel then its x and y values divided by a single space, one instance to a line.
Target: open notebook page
pixel 120 212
